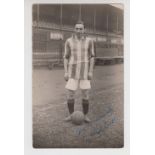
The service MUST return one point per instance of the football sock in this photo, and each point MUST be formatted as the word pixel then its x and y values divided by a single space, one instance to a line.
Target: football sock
pixel 85 105
pixel 70 103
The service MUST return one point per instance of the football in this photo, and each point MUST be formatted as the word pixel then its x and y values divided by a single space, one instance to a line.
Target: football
pixel 77 117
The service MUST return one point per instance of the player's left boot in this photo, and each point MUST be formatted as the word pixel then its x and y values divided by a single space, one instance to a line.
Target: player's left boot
pixel 85 105
pixel 86 119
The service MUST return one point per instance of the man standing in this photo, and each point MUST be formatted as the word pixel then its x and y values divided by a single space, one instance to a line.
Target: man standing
pixel 79 60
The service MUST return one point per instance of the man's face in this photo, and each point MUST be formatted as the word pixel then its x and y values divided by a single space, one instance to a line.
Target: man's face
pixel 79 29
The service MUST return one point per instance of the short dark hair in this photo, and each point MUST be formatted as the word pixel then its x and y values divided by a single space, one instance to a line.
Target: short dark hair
pixel 80 22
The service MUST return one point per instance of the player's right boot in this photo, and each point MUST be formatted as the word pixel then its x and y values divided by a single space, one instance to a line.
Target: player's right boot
pixel 68 118
pixel 70 104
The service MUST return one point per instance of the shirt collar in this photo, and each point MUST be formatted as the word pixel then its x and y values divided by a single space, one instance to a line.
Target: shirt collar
pixel 74 36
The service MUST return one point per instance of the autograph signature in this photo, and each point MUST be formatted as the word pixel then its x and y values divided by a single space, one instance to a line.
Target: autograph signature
pixel 97 127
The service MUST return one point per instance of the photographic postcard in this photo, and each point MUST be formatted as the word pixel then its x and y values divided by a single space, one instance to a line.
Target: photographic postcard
pixel 77 75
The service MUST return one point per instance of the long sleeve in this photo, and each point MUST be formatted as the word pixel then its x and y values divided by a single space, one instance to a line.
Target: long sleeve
pixel 67 50
pixel 66 56
pixel 92 55
pixel 92 52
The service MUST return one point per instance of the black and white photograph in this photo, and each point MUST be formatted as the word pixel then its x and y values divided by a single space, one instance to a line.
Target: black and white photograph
pixel 77 75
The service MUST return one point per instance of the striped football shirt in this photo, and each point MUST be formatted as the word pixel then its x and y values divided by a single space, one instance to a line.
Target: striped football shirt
pixel 79 52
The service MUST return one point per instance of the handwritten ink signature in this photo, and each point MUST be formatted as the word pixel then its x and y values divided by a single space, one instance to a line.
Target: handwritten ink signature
pixel 97 128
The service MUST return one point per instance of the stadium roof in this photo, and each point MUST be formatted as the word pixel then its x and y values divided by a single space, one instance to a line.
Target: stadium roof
pixel 94 15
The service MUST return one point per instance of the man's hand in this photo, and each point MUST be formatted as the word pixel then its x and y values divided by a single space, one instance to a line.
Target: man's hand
pixel 90 76
pixel 66 76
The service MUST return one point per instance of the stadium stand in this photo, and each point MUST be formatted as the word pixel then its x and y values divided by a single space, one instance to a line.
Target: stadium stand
pixel 47 21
